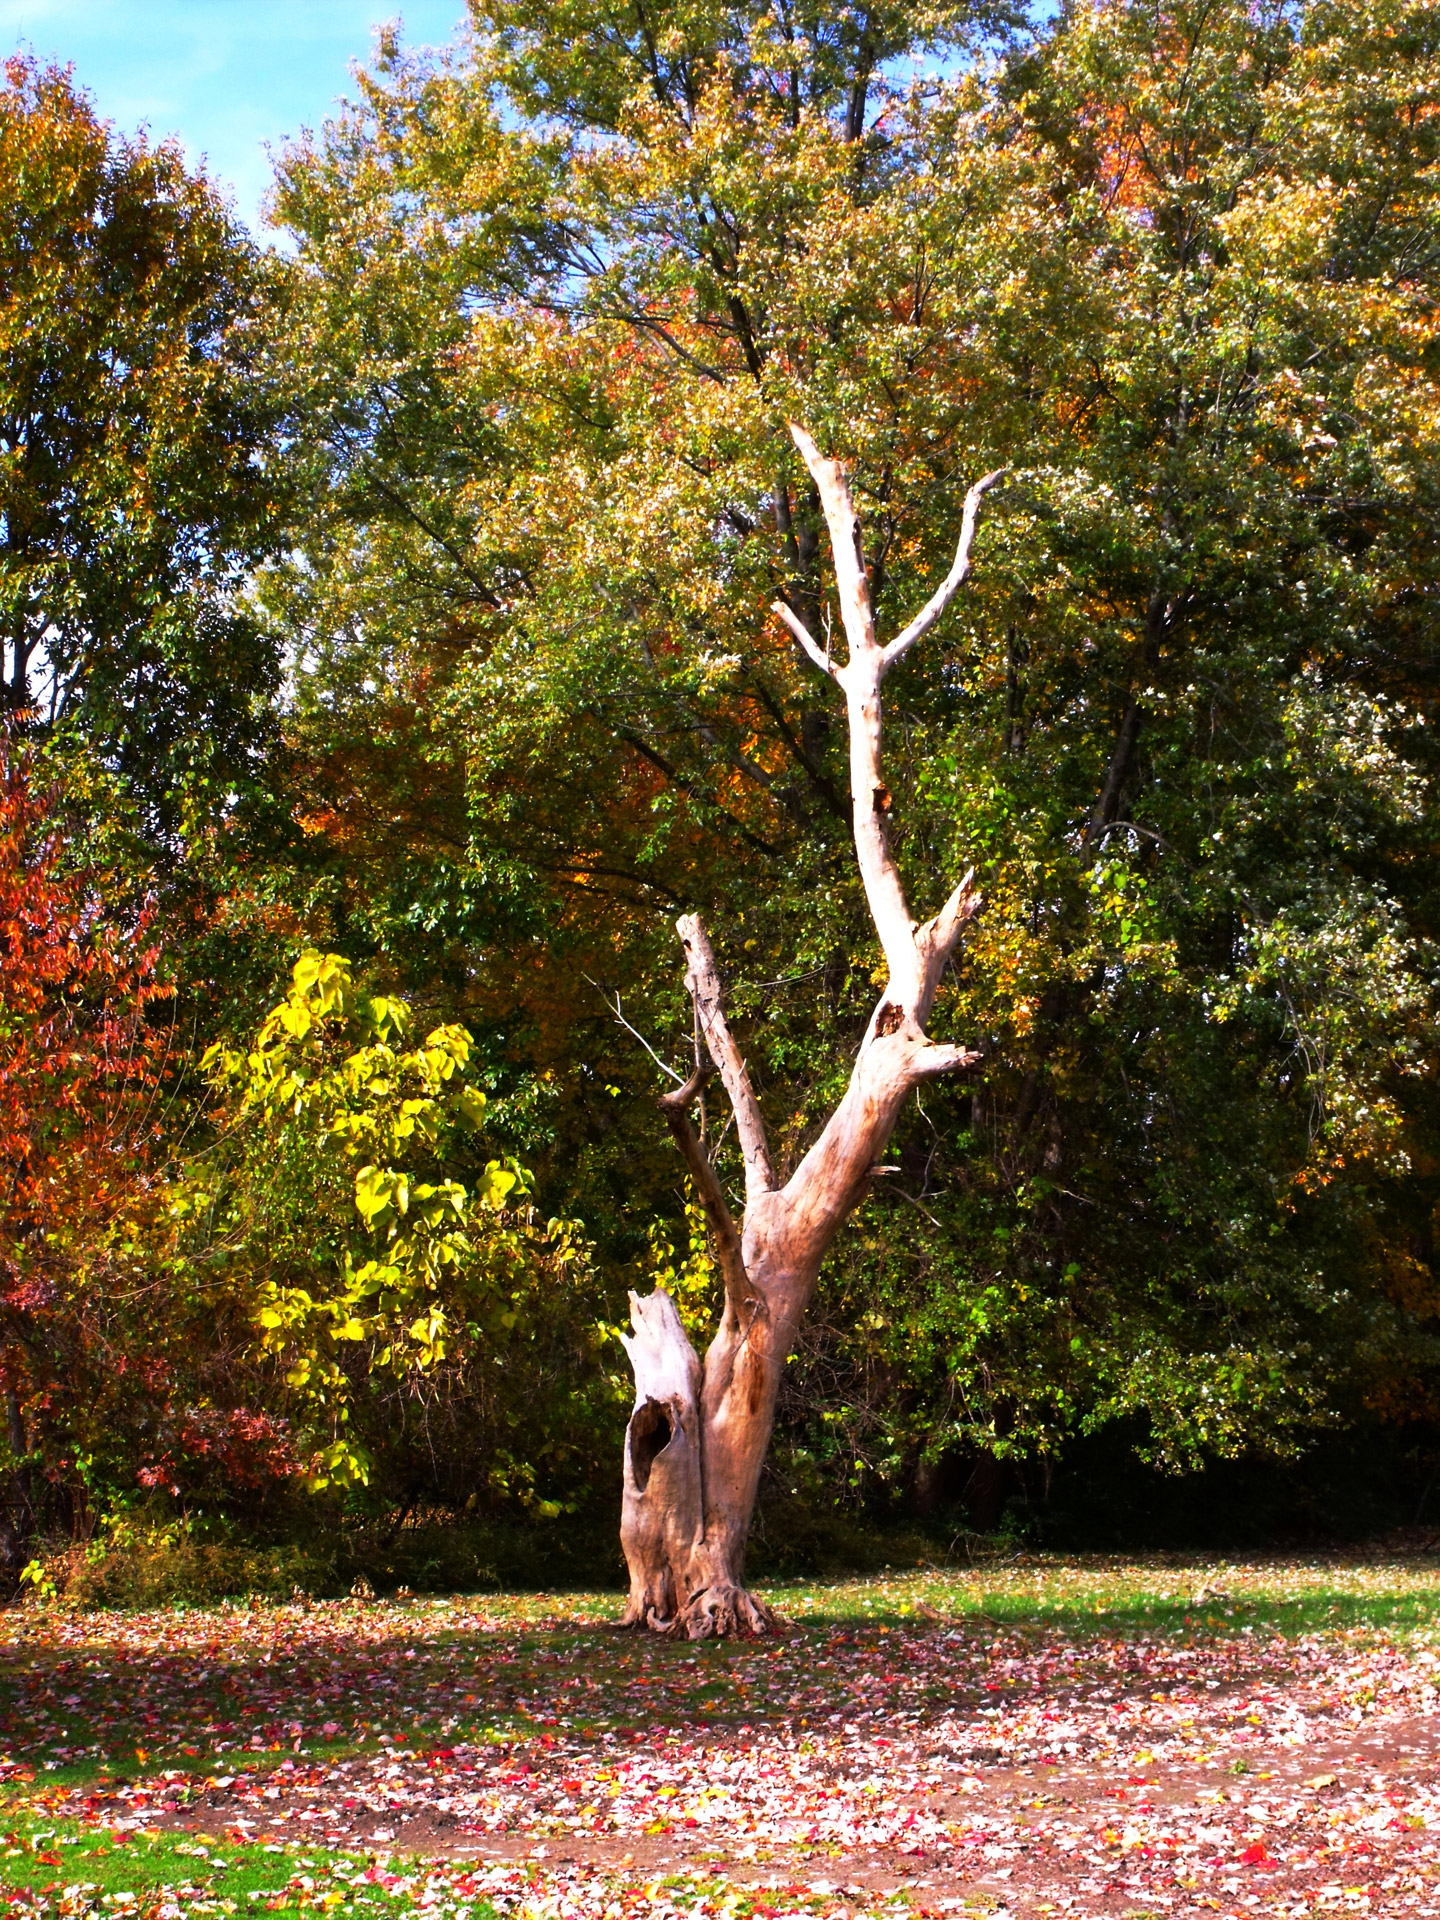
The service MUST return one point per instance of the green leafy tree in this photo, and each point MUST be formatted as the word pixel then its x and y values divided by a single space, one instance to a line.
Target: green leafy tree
pixel 138 421
pixel 1175 268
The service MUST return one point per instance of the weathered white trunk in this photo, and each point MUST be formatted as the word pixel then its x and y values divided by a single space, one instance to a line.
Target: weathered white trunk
pixel 692 1469
pixel 698 1435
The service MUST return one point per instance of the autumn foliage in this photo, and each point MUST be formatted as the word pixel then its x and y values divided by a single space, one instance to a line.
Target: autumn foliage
pixel 412 585
pixel 82 1071
pixel 83 1063
pixel 111 1360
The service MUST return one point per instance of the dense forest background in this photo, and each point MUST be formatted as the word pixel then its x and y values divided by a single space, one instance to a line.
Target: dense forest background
pixel 388 661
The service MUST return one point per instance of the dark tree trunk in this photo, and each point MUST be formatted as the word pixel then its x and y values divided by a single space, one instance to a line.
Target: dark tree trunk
pixel 17 1521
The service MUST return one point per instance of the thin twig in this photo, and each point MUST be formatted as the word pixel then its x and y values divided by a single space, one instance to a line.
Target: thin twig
pixel 678 1078
pixel 900 1194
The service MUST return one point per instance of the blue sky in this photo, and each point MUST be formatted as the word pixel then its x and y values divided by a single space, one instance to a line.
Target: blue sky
pixel 225 75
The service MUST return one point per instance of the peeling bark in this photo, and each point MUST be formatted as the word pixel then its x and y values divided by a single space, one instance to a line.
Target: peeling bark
pixel 699 1434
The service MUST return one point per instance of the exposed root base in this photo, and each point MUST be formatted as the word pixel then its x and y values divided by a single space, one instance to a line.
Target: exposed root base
pixel 715 1613
pixel 725 1613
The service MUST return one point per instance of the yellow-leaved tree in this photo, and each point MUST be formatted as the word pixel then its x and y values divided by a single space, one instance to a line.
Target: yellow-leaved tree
pixel 349 1195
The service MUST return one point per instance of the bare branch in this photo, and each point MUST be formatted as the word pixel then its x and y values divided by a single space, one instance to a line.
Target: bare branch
pixel 937 940
pixel 844 525
pixel 674 1106
pixel 803 635
pixel 634 1031
pixel 915 957
pixel 900 1194
pixel 703 980
pixel 953 580
pixel 860 678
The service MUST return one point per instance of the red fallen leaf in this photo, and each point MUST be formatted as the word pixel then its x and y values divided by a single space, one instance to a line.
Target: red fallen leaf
pixel 1258 1856
pixel 50 1859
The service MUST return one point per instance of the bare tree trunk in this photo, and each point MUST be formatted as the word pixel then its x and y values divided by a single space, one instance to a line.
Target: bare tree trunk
pixel 698 1435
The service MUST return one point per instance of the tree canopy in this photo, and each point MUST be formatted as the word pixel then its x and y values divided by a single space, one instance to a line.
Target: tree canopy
pixel 498 460
pixel 138 478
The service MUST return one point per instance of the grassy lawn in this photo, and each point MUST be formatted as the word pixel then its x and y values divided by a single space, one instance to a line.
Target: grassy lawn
pixel 149 1717
pixel 259 1757
pixel 119 1871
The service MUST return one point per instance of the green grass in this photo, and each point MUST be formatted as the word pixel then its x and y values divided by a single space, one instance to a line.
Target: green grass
pixel 1101 1595
pixel 208 1876
pixel 1085 1596
pixel 68 1872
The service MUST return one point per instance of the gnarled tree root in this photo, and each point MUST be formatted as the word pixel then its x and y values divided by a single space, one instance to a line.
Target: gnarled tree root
pixel 714 1613
pixel 724 1613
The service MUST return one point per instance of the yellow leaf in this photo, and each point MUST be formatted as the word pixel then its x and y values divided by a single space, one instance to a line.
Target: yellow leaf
pixel 498 1182
pixel 372 1192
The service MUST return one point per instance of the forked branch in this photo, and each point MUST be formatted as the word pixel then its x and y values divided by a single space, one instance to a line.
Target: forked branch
pixel 953 580
pixel 915 957
pixel 851 582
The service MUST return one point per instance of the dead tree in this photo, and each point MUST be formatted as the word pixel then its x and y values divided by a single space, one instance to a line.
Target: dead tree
pixel 698 1435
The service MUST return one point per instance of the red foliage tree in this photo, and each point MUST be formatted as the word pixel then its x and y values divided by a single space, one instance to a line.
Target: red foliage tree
pixel 83 1071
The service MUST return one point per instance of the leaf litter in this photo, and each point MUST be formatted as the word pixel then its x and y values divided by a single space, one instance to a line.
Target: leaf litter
pixel 1098 1741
